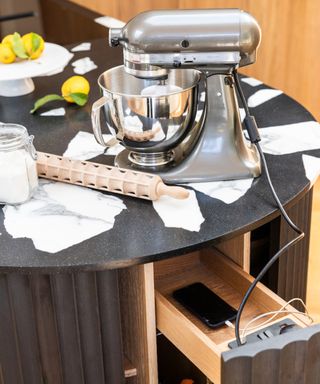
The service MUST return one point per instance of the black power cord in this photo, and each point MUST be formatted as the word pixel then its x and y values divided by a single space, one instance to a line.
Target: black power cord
pixel 254 136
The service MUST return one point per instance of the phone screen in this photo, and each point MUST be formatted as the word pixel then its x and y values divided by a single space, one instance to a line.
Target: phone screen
pixel 205 304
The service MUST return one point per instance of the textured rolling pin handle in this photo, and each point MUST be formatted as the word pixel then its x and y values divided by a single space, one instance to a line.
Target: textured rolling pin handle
pixel 173 191
pixel 96 125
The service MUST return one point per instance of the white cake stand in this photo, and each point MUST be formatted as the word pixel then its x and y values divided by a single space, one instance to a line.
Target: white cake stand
pixel 16 78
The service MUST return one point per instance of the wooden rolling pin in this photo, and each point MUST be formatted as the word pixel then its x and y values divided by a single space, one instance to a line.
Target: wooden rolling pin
pixel 106 178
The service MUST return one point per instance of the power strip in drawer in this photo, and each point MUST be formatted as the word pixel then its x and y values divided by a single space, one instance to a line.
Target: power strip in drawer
pixel 276 329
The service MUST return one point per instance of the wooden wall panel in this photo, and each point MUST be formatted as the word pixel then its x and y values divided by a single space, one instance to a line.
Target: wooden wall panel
pixel 77 26
pixel 125 10
pixel 313 288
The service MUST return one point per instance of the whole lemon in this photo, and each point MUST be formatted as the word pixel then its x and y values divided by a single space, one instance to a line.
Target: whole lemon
pixel 7 55
pixel 75 84
pixel 8 40
pixel 33 44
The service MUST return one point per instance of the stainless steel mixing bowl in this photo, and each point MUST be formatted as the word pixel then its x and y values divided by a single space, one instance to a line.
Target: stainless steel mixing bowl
pixel 146 123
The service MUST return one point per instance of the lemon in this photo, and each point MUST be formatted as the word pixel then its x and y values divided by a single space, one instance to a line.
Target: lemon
pixel 73 90
pixel 7 55
pixel 74 85
pixel 8 39
pixel 33 45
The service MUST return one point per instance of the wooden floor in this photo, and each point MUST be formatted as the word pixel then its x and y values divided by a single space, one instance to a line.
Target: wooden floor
pixel 313 290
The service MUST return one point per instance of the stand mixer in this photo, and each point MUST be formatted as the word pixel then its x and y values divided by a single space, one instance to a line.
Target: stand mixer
pixel 173 104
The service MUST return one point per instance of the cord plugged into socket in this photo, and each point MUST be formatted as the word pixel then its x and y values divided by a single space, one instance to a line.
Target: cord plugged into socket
pixel 273 330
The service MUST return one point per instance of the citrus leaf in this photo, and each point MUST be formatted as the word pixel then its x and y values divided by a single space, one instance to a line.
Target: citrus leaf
pixel 79 98
pixel 40 102
pixel 18 47
pixel 35 42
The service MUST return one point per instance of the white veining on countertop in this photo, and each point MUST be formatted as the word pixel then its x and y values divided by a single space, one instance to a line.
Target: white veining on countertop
pixel 227 191
pixel 84 65
pixel 242 113
pixel 262 96
pixel 110 22
pixel 54 112
pixel 115 149
pixel 176 213
pixel 61 215
pixel 290 138
pixel 312 167
pixel 86 46
pixel 251 81
pixel 84 147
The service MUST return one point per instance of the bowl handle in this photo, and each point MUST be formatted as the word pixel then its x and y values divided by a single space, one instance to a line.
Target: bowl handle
pixel 96 125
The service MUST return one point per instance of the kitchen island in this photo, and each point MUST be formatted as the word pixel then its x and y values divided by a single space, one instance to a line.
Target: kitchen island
pixel 61 311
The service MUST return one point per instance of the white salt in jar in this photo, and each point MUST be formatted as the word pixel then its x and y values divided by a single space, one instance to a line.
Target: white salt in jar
pixel 18 168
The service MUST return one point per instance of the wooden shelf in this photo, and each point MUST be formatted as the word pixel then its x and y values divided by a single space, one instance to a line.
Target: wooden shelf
pixel 202 345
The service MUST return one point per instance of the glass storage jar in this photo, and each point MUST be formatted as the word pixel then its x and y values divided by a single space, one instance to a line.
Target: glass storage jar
pixel 18 167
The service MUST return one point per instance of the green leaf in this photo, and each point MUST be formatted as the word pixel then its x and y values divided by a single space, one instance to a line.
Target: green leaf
pixel 40 102
pixel 18 47
pixel 79 98
pixel 35 41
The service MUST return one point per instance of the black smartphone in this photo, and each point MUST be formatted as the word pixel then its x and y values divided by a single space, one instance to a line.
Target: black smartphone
pixel 205 304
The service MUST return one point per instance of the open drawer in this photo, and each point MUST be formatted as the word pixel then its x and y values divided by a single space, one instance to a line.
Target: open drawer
pixel 202 345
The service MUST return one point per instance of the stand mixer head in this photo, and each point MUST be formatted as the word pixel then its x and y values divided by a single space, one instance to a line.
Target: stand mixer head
pixel 173 104
pixel 214 39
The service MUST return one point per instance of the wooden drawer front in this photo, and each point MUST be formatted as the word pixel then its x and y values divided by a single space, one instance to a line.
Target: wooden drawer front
pixel 202 345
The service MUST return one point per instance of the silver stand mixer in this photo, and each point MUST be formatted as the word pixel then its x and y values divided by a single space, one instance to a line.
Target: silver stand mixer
pixel 173 103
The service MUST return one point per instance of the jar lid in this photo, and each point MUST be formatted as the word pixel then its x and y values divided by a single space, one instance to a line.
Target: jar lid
pixel 12 136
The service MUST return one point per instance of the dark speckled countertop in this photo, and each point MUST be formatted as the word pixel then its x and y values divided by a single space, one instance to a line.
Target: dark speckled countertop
pixel 138 235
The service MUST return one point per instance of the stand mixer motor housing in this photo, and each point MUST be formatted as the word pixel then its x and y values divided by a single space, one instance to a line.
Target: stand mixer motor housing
pixel 190 127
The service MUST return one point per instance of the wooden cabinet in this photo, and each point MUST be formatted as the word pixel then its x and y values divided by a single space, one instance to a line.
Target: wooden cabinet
pixel 146 290
pixel 202 345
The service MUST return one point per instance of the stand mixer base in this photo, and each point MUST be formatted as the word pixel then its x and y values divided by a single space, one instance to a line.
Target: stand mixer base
pixel 220 153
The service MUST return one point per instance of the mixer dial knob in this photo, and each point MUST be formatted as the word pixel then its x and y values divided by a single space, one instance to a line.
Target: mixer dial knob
pixel 114 42
pixel 115 35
